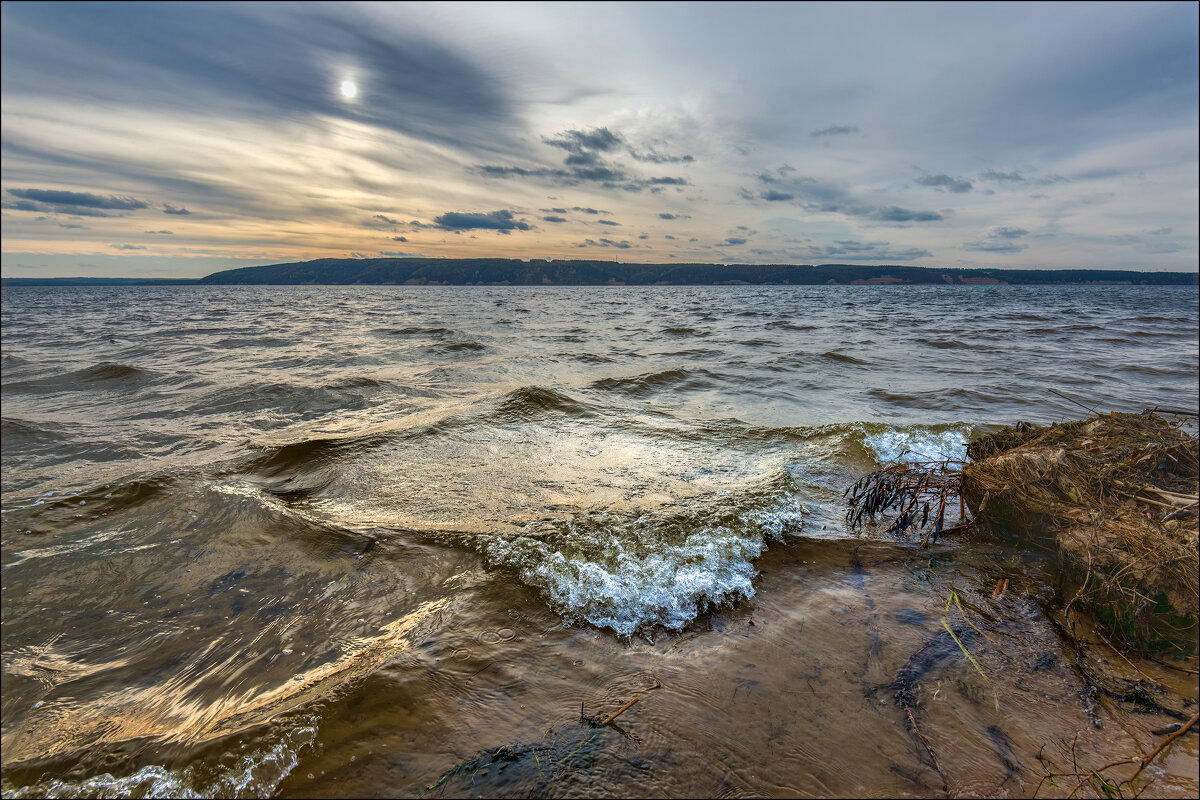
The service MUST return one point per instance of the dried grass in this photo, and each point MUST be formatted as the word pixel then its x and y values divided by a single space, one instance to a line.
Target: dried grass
pixel 1110 494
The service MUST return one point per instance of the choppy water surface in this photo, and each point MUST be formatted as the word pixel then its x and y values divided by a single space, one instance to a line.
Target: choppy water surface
pixel 323 541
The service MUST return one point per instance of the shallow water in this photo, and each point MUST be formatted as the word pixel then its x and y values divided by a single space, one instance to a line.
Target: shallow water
pixel 257 534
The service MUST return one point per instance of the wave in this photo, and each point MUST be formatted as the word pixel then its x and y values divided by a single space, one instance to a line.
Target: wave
pixel 109 375
pixel 255 773
pixel 436 332
pixel 532 402
pixel 641 385
pixel 632 570
pixel 842 357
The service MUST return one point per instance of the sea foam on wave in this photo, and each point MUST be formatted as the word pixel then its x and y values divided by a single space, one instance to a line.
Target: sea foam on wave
pixel 632 571
pixel 910 445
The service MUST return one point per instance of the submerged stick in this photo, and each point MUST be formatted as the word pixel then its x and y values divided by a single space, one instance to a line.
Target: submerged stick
pixel 621 710
pixel 1162 746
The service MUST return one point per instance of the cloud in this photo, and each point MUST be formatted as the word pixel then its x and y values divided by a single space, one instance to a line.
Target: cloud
pixel 163 233
pixel 554 219
pixel 391 254
pixel 502 221
pixel 854 250
pixel 775 196
pixel 588 210
pixel 836 130
pixel 399 238
pixel 732 241
pixel 386 220
pixel 607 222
pixel 895 214
pixel 176 210
pixel 1002 177
pixel 596 140
pixel 1008 233
pixel 58 197
pixel 621 245
pixel 82 227
pixel 956 185
pixel 585 163
pixel 659 158
pixel 127 247
pixel 994 247
pixel 277 63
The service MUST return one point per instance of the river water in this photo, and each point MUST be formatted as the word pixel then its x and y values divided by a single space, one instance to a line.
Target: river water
pixel 333 541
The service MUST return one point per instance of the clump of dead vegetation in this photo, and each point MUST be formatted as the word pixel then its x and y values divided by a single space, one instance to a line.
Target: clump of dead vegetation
pixel 1115 496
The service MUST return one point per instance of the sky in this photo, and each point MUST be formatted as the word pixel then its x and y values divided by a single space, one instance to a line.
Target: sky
pixel 174 140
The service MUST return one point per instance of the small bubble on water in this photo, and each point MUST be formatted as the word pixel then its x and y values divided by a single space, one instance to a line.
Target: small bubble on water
pixel 297 677
pixel 593 452
pixel 286 652
pixel 83 502
pixel 311 776
pixel 38 704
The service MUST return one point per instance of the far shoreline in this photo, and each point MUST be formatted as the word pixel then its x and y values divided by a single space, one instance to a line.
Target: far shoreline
pixel 548 272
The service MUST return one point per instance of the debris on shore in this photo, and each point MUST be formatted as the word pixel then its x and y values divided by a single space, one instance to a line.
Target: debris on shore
pixel 1114 496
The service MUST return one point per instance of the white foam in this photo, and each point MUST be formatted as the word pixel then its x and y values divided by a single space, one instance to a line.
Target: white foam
pixel 910 445
pixel 256 774
pixel 659 568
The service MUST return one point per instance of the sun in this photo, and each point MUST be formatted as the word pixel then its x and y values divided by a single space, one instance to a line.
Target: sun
pixel 349 90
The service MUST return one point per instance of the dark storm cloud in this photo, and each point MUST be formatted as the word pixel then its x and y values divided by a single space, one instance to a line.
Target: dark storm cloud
pixel 250 60
pixel 1002 177
pixel 58 197
pixel 836 130
pixel 956 185
pixel 502 221
pixel 554 219
pixel 176 210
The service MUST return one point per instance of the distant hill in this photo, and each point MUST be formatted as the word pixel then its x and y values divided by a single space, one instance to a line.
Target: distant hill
pixel 511 271
pixel 486 271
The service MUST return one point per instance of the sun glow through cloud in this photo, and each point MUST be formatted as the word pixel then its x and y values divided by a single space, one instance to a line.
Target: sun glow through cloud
pixel 477 140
